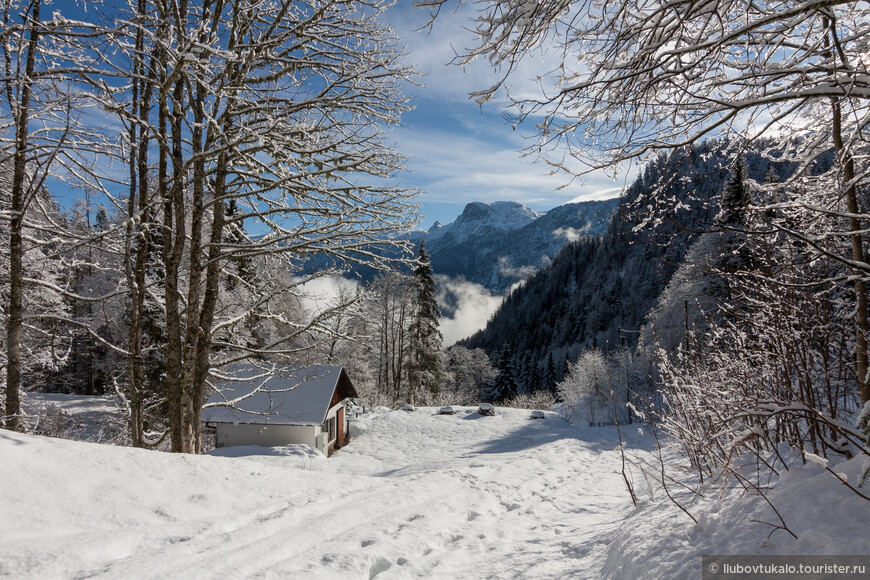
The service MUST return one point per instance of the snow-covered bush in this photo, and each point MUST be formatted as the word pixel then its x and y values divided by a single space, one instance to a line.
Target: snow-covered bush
pixel 591 394
pixel 486 410
pixel 52 421
pixel 533 400
pixel 468 372
pixel 773 368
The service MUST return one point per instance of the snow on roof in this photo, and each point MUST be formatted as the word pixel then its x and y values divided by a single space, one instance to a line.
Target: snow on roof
pixel 276 395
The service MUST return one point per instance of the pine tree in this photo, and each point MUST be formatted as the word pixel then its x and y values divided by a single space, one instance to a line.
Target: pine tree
pixel 101 222
pixel 548 375
pixel 426 364
pixel 734 252
pixel 505 384
pixel 735 197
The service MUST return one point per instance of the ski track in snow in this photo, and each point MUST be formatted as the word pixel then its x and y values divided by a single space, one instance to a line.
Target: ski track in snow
pixel 414 495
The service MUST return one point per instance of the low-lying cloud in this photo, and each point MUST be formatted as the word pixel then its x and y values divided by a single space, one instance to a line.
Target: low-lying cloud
pixel 522 273
pixel 466 306
pixel 470 304
pixel 322 293
pixel 571 234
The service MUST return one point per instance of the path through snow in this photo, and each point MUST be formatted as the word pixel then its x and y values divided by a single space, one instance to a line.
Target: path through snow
pixel 414 495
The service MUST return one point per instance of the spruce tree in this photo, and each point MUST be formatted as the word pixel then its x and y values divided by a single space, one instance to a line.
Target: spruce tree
pixel 426 364
pixel 505 385
pixel 529 375
pixel 735 197
pixel 548 375
pixel 101 222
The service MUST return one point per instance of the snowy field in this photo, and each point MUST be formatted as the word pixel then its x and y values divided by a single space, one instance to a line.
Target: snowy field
pixel 414 495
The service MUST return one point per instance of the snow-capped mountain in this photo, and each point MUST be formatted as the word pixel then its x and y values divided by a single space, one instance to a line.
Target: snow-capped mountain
pixel 498 244
pixel 480 219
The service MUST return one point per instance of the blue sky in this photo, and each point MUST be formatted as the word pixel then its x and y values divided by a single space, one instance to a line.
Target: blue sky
pixel 461 152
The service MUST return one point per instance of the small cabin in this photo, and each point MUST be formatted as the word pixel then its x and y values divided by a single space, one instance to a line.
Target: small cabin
pixel 276 406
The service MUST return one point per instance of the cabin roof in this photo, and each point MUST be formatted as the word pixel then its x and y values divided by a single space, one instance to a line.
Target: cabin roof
pixel 277 395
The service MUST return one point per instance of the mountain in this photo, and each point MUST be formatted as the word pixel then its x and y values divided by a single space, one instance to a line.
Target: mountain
pixel 498 244
pixel 495 244
pixel 484 219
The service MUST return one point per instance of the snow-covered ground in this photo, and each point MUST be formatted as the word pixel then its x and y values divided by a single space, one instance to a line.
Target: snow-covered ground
pixel 97 418
pixel 414 495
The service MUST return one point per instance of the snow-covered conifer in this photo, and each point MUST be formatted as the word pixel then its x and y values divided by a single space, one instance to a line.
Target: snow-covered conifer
pixel 426 360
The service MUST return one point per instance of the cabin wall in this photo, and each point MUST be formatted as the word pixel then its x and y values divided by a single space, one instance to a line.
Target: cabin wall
pixel 332 415
pixel 230 435
pixel 337 413
pixel 273 435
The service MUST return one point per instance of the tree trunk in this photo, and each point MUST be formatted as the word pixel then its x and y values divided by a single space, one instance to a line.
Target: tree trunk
pixel 847 166
pixel 16 247
pixel 141 101
pixel 847 171
pixel 174 236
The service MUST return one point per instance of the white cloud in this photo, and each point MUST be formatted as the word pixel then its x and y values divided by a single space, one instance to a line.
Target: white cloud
pixel 597 195
pixel 474 307
pixel 521 272
pixel 460 151
pixel 570 234
pixel 435 52
pixel 455 167
pixel 321 293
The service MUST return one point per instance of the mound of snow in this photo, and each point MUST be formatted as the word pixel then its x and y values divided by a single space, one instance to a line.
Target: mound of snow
pixel 826 517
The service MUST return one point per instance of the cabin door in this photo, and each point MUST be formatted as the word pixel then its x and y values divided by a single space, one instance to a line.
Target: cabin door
pixel 340 418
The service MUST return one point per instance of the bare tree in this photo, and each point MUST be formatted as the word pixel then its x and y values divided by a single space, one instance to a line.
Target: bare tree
pixel 469 372
pixel 40 131
pixel 388 304
pixel 276 107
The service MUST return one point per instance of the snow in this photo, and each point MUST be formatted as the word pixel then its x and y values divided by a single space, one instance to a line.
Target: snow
pixel 480 218
pixel 85 418
pixel 826 517
pixel 413 495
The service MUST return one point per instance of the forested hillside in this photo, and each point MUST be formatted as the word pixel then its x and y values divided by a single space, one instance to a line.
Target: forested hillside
pixel 598 290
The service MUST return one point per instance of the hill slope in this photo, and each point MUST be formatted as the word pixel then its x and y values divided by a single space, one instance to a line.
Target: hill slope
pixel 413 495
